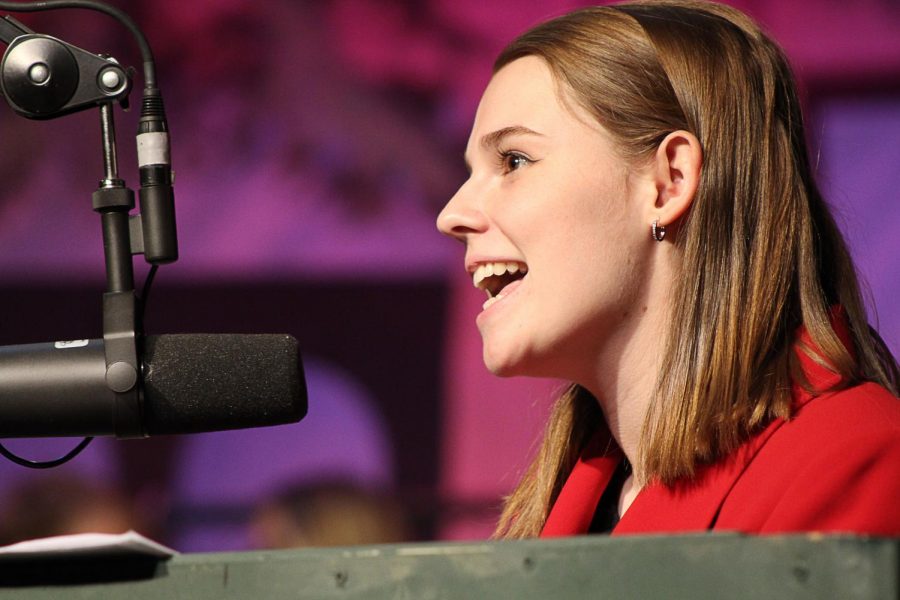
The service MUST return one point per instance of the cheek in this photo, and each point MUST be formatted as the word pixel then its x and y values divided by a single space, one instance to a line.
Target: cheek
pixel 601 264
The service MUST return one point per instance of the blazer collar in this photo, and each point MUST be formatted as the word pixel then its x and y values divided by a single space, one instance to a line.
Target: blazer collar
pixel 694 504
pixel 574 507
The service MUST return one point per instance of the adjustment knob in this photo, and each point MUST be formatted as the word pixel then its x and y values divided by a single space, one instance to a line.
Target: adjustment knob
pixel 39 75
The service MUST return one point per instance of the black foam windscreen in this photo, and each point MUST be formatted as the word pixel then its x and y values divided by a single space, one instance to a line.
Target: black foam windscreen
pixel 210 382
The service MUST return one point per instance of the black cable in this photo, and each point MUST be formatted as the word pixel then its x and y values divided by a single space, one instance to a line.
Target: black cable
pixel 124 19
pixel 48 464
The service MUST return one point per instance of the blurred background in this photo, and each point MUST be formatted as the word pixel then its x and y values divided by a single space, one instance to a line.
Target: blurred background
pixel 314 143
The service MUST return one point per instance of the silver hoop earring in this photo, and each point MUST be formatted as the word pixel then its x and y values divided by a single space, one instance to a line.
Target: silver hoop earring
pixel 658 231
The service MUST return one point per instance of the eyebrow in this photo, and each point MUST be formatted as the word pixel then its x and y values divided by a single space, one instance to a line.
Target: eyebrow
pixel 493 139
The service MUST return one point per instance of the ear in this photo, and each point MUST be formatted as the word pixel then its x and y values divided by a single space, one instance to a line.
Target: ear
pixel 677 165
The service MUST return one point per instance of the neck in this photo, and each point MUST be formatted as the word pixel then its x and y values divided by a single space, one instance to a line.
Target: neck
pixel 624 375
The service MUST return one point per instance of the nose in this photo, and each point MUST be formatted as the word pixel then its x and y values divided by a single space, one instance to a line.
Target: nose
pixel 461 216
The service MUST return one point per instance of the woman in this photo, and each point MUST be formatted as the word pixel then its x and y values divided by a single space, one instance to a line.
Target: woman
pixel 642 215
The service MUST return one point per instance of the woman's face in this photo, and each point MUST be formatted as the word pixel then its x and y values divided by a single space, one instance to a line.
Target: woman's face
pixel 548 197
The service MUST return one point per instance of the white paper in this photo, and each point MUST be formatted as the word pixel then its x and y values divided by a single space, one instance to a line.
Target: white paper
pixel 87 544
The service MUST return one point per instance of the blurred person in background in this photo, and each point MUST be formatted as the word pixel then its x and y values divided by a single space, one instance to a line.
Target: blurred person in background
pixel 329 513
pixel 64 505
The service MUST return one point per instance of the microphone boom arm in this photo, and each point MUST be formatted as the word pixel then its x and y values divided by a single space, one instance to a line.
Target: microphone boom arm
pixel 128 384
pixel 43 77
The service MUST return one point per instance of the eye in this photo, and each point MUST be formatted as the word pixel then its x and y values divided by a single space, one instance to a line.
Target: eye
pixel 513 161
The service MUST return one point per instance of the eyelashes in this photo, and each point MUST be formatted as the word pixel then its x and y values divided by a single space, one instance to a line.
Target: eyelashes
pixel 512 160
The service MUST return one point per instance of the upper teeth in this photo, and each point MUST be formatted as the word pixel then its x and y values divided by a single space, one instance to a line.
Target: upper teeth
pixel 486 270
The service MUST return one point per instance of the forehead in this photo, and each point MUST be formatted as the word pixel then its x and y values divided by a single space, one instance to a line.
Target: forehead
pixel 526 93
pixel 523 89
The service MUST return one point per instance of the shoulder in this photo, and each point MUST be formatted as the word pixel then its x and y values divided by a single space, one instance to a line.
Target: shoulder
pixel 834 467
pixel 855 412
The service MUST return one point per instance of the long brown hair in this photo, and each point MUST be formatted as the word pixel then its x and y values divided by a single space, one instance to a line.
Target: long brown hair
pixel 761 254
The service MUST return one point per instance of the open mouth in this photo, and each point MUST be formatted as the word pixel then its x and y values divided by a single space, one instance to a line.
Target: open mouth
pixel 494 277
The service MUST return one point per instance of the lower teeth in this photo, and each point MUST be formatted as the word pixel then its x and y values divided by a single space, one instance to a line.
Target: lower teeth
pixel 490 301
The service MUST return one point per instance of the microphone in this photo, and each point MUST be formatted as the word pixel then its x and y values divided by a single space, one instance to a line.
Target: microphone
pixel 189 383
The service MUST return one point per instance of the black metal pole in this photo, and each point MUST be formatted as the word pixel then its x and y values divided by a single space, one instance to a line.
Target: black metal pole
pixel 113 201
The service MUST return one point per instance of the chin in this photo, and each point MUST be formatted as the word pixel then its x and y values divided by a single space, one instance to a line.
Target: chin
pixel 507 364
pixel 525 363
pixel 501 366
pixel 501 370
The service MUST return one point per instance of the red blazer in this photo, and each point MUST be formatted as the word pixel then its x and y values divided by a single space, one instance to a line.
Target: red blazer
pixel 833 467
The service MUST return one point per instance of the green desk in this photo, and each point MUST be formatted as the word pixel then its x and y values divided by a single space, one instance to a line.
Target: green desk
pixel 693 566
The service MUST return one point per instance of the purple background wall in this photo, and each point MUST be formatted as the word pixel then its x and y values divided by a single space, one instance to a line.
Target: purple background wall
pixel 314 144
